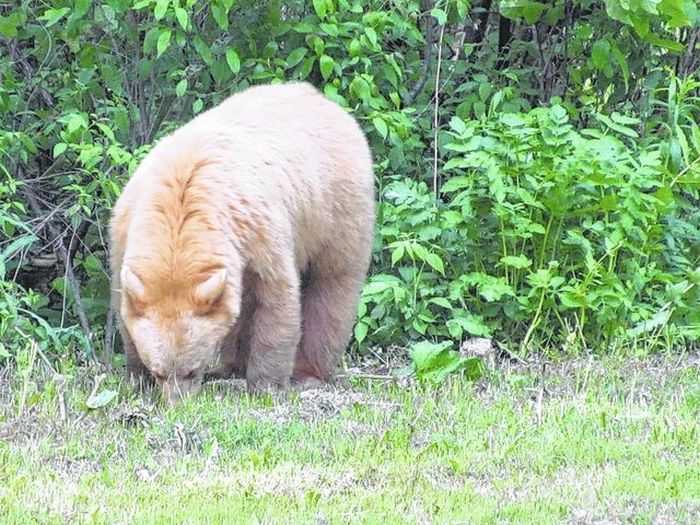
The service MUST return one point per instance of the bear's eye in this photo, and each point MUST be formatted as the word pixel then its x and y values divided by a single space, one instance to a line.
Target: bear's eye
pixel 189 375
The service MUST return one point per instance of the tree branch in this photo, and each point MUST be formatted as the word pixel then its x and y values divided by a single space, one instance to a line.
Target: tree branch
pixel 65 256
pixel 429 36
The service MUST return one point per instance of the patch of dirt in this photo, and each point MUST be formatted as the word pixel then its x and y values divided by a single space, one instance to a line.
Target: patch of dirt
pixel 637 380
pixel 319 404
pixel 378 361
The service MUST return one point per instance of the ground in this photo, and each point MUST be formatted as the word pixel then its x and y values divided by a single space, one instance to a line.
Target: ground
pixel 586 441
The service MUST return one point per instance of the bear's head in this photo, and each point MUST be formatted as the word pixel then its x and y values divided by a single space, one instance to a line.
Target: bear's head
pixel 177 327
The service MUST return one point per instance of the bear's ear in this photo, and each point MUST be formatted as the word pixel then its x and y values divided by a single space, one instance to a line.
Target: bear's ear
pixel 133 287
pixel 210 291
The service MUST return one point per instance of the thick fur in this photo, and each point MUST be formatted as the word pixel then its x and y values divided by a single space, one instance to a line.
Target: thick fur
pixel 223 220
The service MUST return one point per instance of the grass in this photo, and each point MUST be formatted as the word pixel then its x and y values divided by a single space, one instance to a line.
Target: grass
pixel 606 440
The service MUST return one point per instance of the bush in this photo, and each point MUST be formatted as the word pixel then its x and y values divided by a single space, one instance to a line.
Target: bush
pixel 539 230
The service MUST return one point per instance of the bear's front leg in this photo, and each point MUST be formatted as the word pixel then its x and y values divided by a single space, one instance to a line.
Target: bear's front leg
pixel 136 372
pixel 275 330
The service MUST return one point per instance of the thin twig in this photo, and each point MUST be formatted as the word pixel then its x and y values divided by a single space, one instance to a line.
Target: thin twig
pixel 512 354
pixel 435 113
pixel 378 377
pixel 38 350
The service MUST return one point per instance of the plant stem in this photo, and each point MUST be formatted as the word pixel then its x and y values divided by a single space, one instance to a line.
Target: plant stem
pixel 533 324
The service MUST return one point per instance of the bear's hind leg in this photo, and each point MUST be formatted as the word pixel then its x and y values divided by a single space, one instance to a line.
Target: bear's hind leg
pixel 329 310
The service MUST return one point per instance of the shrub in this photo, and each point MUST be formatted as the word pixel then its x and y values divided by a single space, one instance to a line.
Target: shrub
pixel 541 231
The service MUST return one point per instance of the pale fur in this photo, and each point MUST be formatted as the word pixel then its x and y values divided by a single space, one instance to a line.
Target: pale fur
pixel 272 186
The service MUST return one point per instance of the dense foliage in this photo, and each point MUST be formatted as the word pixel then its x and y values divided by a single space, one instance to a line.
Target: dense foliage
pixel 537 164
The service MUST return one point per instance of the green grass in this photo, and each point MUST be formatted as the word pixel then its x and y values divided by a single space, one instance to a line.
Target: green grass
pixel 585 442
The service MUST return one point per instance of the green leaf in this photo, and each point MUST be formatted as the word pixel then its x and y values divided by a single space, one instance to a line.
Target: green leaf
pixel 380 126
pixel 326 64
pixel 233 61
pixel 329 29
pixel 572 298
pixel 434 359
pixel 361 330
pixel 456 183
pixel 434 260
pixel 458 125
pixel 161 9
pixel 623 130
pixel 305 70
pixel 695 137
pixel 372 36
pixel 9 25
pixel 52 16
pixel 670 45
pixel 163 42
pixel 75 122
pixel 397 254
pixel 532 11
pixel 512 120
pixel 680 13
pixel 106 131
pixel 296 56
pixel 182 17
pixel 600 55
pixel 441 301
pixel 433 362
pixel 220 16
pixel 149 44
pixel 658 320
pixel 360 88
pixel 683 143
pixel 320 8
pixel 181 87
pixel 464 322
pixel 494 289
pixel 622 119
pixel 439 15
pixel 622 62
pixel 463 8
pixel 16 245
pixel 355 48
pixel 203 50
pixel 197 106
pixel 59 148
pixel 516 261
pixel 101 400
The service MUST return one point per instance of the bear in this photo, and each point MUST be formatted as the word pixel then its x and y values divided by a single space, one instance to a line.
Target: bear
pixel 244 238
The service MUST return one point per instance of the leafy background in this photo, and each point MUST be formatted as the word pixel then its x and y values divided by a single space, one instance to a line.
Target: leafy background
pixel 536 163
